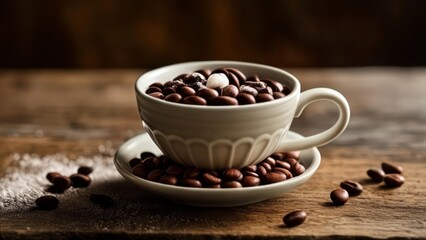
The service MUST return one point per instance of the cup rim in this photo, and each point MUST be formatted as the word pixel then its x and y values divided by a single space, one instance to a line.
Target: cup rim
pixel 154 72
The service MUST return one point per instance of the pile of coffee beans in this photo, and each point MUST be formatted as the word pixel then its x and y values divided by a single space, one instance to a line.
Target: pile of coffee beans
pixel 391 174
pixel 275 168
pixel 222 86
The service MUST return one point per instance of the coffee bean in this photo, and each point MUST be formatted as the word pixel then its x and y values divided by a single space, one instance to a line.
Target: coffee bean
pixel 250 168
pixel 394 180
pixel 233 80
pixel 157 84
pixel 140 170
pixel 230 91
pixel 377 175
pixel 298 169
pixel 153 90
pixel 283 164
pixel 390 168
pixel 193 78
pixel 51 175
pixel 276 86
pixel 168 179
pixel 294 218
pixel 85 170
pixel 291 161
pixel 145 155
pixel 194 100
pixel 266 166
pixel 209 179
pixel 206 72
pixel 158 95
pixel 261 171
pixel 264 97
pixel 286 172
pixel 271 161
pixel 339 196
pixel 180 77
pixel 134 162
pixel 155 175
pixel 278 95
pixel 286 90
pixel 173 97
pixel 274 177
pixel 266 90
pixel 47 202
pixel 249 181
pixel 256 84
pixel 213 186
pixel 167 91
pixel 231 184
pixel 175 170
pixel 191 173
pixel 232 174
pixel 245 98
pixel 253 78
pixel 352 187
pixel 241 77
pixel 248 90
pixel 186 91
pixel 293 154
pixel 224 100
pixel 278 155
pixel 190 182
pixel 151 162
pixel 80 180
pixel 248 173
pixel 62 183
pixel 103 200
pixel 208 94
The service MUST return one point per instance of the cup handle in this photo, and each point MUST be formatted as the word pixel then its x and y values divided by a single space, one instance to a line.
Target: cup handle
pixel 308 97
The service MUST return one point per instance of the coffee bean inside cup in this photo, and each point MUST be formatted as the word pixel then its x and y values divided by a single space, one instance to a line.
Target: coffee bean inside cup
pixel 220 87
pixel 276 168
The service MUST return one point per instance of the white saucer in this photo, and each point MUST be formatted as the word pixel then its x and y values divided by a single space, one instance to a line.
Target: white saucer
pixel 206 197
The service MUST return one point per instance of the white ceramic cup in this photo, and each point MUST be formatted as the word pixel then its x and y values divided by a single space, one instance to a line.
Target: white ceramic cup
pixel 219 137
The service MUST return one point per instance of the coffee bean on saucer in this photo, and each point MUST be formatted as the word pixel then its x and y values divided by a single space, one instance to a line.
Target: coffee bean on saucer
pixel 168 179
pixel 173 97
pixel 376 174
pixel 298 169
pixel 51 175
pixel 250 168
pixel 284 171
pixel 85 170
pixel 103 200
pixel 245 99
pixel 145 155
pixel 175 170
pixel 283 164
pixel 232 174
pixel 274 177
pixel 190 182
pixel 231 184
pixel 80 180
pixel 261 171
pixel 209 179
pixel 61 183
pixel 294 218
pixel 140 170
pixel 155 175
pixel 230 91
pixel 191 173
pixel 47 202
pixel 394 180
pixel 352 187
pixel 208 94
pixel 339 196
pixel 391 168
pixel 250 181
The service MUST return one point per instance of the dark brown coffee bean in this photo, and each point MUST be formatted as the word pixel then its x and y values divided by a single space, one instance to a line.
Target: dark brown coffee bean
pixel 245 99
pixel 158 95
pixel 377 175
pixel 231 184
pixel 264 97
pixel 286 172
pixel 175 170
pixel 352 187
pixel 167 91
pixel 294 218
pixel 278 95
pixel 394 180
pixel 266 90
pixel 276 86
pixel 233 80
pixel 249 173
pixel 250 168
pixel 249 181
pixel 224 100
pixel 51 175
pixel 248 90
pixel 208 94
pixel 209 179
pixel 173 97
pixel 212 172
pixel 157 84
pixel 165 161
pixel 134 162
pixel 205 72
pixel 271 161
pixel 47 202
pixel 191 173
pixel 85 170
pixel 103 200
pixel 194 100
pixel 197 86
pixel 298 169
pixel 186 91
pixel 213 186
pixel 286 90
pixel 61 183
pixel 255 84
pixel 151 162
pixel 291 161
pixel 145 155
pixel 180 77
pixel 261 171
pixel 168 179
pixel 232 174
pixel 140 170
pixel 274 177
pixel 241 77
pixel 155 175
pixel 253 78
pixel 283 164
pixel 153 89
pixel 190 182
pixel 391 168
pixel 266 166
pixel 230 91
pixel 278 155
pixel 193 78
pixel 339 196
pixel 80 180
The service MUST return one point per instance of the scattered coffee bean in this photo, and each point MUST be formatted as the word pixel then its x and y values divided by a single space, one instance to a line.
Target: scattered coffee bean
pixel 352 187
pixel 294 218
pixel 394 180
pixel 85 170
pixel 103 200
pixel 390 168
pixel 339 196
pixel 80 180
pixel 212 86
pixel 61 183
pixel 376 174
pixel 47 202
pixel 51 175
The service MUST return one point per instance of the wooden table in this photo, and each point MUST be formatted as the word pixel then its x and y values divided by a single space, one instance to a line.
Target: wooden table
pixel 74 112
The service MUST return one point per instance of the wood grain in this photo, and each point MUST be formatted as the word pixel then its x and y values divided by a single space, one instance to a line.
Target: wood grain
pixel 75 112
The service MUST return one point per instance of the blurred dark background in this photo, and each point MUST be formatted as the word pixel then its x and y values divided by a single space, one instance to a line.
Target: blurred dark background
pixel 124 33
